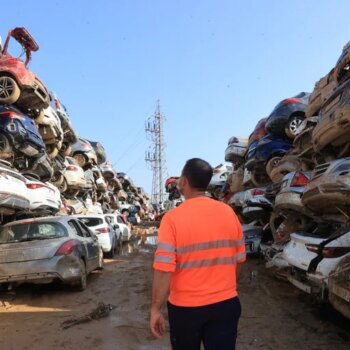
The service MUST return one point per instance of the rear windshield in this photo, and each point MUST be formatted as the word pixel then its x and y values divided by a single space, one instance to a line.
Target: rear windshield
pixel 32 232
pixel 91 222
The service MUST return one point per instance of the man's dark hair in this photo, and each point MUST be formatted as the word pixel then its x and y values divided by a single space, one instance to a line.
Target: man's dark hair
pixel 198 172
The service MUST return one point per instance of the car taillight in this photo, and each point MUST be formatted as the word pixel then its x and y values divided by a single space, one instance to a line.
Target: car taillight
pixel 72 168
pixel 57 104
pixel 258 192
pixel 9 114
pixel 103 230
pixel 299 180
pixel 35 186
pixel 291 100
pixel 216 171
pixel 67 247
pixel 335 252
pixel 312 247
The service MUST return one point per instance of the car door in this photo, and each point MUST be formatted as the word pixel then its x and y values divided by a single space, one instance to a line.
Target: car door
pixel 110 221
pixel 123 226
pixel 81 238
pixel 92 245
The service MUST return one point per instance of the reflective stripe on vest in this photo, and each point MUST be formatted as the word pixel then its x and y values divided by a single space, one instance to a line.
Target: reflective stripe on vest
pixel 165 247
pixel 163 259
pixel 229 260
pixel 225 243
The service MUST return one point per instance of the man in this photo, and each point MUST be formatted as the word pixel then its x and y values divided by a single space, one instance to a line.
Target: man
pixel 200 247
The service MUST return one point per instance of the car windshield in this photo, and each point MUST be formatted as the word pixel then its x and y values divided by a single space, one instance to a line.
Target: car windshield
pixel 32 232
pixel 91 222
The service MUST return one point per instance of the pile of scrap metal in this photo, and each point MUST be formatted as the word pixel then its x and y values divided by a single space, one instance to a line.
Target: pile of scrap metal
pixel 45 167
pixel 290 187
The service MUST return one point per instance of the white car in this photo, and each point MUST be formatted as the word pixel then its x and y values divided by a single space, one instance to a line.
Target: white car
pixel 13 190
pixel 119 220
pixel 44 196
pixel 312 257
pixel 219 178
pixel 74 176
pixel 108 235
pixel 236 149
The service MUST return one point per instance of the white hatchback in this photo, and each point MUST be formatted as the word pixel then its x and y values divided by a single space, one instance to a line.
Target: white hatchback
pixel 45 198
pixel 314 256
pixel 119 220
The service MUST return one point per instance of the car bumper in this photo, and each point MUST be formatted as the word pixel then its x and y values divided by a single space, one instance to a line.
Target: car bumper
pixel 13 201
pixel 65 268
pixel 234 153
pixel 289 201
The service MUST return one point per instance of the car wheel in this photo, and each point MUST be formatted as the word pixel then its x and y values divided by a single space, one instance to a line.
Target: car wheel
pixel 52 151
pixel 9 90
pixel 111 253
pixel 119 246
pixel 258 178
pixel 293 126
pixel 100 260
pixel 272 162
pixel 39 117
pixel 58 179
pixel 64 186
pixel 82 283
pixel 5 148
pixel 80 159
pixel 68 150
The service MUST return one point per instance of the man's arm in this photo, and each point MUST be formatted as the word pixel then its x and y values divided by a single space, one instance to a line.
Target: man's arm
pixel 160 289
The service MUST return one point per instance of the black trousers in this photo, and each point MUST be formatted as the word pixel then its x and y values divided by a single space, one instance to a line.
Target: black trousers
pixel 215 325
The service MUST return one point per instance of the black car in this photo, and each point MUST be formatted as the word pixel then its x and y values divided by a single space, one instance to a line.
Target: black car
pixel 18 133
pixel 288 115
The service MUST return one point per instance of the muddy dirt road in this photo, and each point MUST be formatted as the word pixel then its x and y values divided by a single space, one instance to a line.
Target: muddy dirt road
pixel 275 315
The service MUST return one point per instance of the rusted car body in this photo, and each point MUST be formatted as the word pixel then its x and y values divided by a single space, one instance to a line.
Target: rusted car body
pixel 333 128
pixel 289 163
pixel 18 84
pixel 323 89
pixel 291 190
pixel 329 188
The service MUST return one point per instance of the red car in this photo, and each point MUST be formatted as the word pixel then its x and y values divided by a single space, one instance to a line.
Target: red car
pixel 18 85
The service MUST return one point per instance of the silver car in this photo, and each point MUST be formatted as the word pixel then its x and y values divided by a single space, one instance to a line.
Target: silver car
pixel 48 249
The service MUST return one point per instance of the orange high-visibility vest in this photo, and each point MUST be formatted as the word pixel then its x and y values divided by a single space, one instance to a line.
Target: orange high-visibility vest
pixel 201 242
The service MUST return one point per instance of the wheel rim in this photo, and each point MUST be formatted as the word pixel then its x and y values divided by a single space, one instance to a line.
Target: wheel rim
pixel 80 159
pixel 6 87
pixel 275 161
pixel 294 125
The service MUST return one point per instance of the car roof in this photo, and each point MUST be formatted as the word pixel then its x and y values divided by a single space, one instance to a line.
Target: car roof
pixel 62 219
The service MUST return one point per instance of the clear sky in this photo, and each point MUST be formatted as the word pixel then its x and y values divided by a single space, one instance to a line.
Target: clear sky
pixel 216 66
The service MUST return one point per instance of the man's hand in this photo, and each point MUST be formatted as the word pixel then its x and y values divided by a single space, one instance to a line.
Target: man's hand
pixel 157 323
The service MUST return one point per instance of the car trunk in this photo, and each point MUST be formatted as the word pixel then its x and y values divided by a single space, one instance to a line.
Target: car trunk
pixel 28 251
pixel 296 252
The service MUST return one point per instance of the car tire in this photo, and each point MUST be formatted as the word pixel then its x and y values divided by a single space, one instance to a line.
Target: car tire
pixel 293 124
pixel 82 283
pixel 68 151
pixel 9 90
pixel 111 253
pixel 52 151
pixel 119 246
pixel 39 118
pixel 271 164
pixel 258 179
pixel 100 260
pixel 64 186
pixel 58 180
pixel 80 159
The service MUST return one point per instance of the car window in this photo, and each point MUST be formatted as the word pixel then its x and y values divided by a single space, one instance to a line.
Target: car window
pixel 342 167
pixel 73 225
pixel 32 231
pixel 109 219
pixel 91 222
pixel 120 220
pixel 84 229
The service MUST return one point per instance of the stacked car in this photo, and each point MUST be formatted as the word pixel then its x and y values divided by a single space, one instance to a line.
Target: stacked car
pixel 63 206
pixel 291 187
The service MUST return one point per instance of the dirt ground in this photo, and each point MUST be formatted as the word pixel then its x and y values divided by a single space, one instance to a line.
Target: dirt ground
pixel 275 315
